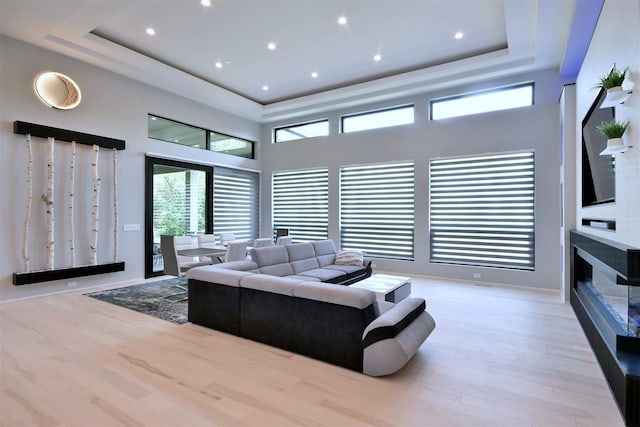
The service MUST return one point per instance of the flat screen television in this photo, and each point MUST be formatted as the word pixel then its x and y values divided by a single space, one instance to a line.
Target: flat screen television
pixel 598 172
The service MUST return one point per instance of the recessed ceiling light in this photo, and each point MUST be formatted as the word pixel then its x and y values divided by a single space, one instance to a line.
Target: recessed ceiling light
pixel 205 2
pixel 271 46
pixel 151 31
pixel 265 88
pixel 218 64
pixel 342 20
pixel 314 75
pixel 377 57
pixel 458 35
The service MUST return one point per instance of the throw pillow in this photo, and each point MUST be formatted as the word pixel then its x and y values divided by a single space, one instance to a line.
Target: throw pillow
pixel 349 258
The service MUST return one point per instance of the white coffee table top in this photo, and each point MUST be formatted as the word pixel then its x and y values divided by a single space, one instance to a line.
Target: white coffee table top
pixel 382 283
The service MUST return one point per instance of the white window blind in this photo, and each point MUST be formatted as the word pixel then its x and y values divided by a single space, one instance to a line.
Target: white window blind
pixel 377 209
pixel 482 210
pixel 301 203
pixel 236 202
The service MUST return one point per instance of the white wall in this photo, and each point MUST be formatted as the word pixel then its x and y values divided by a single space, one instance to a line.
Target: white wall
pixel 616 40
pixel 112 106
pixel 533 127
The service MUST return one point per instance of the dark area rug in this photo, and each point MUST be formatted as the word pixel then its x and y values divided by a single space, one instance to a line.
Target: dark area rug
pixel 163 299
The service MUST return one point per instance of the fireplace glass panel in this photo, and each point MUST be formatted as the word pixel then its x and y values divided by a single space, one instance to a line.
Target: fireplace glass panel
pixel 634 311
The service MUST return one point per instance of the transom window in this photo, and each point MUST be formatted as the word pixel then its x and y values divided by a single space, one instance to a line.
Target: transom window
pixel 301 131
pixel 482 210
pixel 482 102
pixel 192 136
pixel 377 119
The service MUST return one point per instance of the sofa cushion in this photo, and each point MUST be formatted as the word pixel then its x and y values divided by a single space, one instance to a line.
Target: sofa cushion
pixel 335 294
pixel 325 275
pixel 243 265
pixel 302 257
pixel 349 270
pixel 349 258
pixel 304 278
pixel 280 270
pixel 325 251
pixel 270 255
pixel 267 283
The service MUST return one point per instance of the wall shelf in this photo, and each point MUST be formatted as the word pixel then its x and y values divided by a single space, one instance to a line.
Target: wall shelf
pixel 39 276
pixel 43 131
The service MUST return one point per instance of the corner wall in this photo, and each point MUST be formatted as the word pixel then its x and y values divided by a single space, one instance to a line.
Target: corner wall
pixel 112 106
pixel 534 127
pixel 615 40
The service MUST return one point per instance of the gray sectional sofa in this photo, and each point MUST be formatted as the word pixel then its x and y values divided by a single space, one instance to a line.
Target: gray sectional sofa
pixel 299 302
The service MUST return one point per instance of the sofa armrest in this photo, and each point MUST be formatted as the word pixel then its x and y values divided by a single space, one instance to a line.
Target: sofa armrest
pixel 220 276
pixel 393 321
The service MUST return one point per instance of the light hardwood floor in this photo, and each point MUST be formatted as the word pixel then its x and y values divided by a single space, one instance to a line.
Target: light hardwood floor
pixel 498 357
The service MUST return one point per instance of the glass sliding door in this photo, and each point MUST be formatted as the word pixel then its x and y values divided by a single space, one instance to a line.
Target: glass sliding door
pixel 178 202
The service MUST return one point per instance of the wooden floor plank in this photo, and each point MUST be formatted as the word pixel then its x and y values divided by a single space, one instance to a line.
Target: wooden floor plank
pixel 498 356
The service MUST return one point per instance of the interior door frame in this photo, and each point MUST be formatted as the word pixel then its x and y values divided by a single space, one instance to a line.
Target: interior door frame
pixel 150 162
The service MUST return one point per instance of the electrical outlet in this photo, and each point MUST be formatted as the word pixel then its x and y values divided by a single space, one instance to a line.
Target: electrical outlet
pixel 477 275
pixel 374 265
pixel 72 284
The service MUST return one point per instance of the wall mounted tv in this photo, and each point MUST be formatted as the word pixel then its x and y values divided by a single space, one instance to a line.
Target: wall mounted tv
pixel 598 172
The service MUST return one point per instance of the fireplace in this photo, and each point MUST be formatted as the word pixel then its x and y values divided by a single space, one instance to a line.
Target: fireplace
pixel 605 295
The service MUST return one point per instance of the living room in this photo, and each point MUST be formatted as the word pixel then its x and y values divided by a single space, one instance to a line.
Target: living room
pixel 118 107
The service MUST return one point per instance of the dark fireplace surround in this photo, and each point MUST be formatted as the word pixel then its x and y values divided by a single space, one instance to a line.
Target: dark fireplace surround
pixel 617 350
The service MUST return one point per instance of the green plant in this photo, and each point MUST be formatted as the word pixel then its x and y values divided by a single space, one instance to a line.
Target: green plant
pixel 613 129
pixel 613 78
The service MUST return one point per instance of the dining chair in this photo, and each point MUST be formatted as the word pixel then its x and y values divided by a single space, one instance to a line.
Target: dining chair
pixel 176 265
pixel 236 251
pixel 226 238
pixel 284 240
pixel 262 242
pixel 207 241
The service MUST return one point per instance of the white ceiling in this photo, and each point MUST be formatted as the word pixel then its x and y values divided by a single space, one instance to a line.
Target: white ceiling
pixel 414 38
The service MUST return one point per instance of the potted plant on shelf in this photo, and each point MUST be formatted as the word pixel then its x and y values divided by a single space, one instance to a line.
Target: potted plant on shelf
pixel 613 130
pixel 613 80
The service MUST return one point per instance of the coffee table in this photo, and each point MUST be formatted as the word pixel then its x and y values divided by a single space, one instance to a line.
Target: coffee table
pixel 387 287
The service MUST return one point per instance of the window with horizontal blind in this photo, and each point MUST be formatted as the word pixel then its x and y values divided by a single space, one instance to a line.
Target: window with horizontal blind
pixel 482 210
pixel 377 209
pixel 300 202
pixel 236 202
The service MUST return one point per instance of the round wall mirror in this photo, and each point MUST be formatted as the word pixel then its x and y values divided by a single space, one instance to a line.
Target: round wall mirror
pixel 57 90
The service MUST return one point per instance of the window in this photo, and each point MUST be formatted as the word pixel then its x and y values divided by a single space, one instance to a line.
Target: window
pixel 377 119
pixel 236 202
pixel 377 209
pixel 301 131
pixel 192 136
pixel 221 143
pixel 301 203
pixel 482 210
pixel 171 131
pixel 482 102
